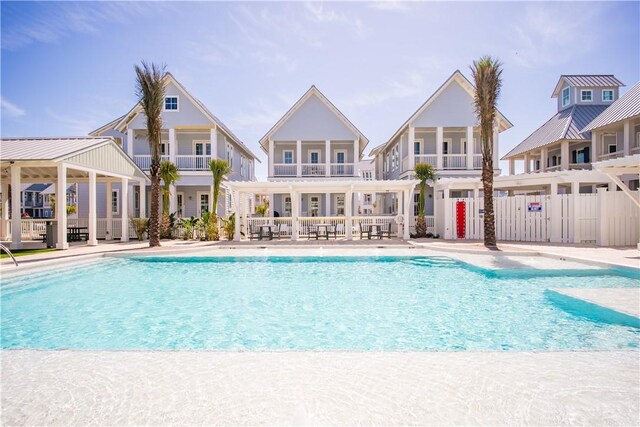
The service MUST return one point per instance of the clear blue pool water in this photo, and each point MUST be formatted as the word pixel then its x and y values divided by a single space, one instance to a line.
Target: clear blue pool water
pixel 369 303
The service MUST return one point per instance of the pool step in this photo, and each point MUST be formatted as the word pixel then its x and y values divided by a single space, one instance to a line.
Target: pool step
pixel 435 261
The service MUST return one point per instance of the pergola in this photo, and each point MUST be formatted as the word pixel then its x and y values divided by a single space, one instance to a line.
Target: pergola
pixel 239 189
pixel 613 168
pixel 61 160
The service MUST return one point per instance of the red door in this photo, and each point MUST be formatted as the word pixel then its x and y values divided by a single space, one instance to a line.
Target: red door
pixel 461 220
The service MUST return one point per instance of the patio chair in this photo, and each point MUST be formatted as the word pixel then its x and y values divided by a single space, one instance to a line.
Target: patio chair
pixel 382 232
pixel 332 229
pixel 312 231
pixel 254 232
pixel 363 233
pixel 276 231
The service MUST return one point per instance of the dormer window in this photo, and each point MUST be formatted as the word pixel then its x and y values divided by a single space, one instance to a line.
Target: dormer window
pixel 586 95
pixel 565 96
pixel 171 103
pixel 607 95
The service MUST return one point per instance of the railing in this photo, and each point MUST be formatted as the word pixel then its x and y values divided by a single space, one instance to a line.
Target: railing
pixel 307 223
pixel 430 159
pixel 454 161
pixel 610 155
pixel 579 166
pixel 477 161
pixel 285 169
pixel 193 162
pixel 554 168
pixel 313 169
pixel 342 169
pixel 430 220
pixel 144 160
pixel 283 222
pixel 635 149
pixel 31 229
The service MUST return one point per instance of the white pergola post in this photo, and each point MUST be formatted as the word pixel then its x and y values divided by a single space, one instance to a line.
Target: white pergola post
pixel 408 197
pixel 4 227
pixel 172 145
pixel 527 163
pixel 61 207
pixel 143 199
pixel 471 148
pixel 214 142
pixel 124 214
pixel 295 214
pixel 626 138
pixel 594 147
pixel 173 198
pixel 439 142
pixel 327 158
pixel 555 214
pixel 93 209
pixel 271 204
pixel 575 195
pixel 16 226
pixel 298 158
pixel 564 155
pixel 236 234
pixel 109 234
pixel 271 158
pixel 130 139
pixel 348 207
pixel 411 152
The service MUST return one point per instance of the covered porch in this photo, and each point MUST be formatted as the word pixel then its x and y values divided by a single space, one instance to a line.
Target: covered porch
pixel 61 161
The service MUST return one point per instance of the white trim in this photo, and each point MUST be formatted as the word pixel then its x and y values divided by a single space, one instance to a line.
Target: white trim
pixel 204 143
pixel 164 104
pixel 413 149
pixel 612 95
pixel 568 97
pixel 583 91
pixel 335 152
pixel 449 142
pixel 284 158
pixel 180 206
pixel 463 143
pixel 313 150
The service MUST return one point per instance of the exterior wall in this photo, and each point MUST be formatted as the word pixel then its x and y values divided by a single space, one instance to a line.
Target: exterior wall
pixel 575 98
pixel 441 113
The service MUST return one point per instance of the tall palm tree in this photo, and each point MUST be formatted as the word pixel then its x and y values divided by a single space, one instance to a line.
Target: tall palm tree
pixel 487 75
pixel 424 172
pixel 150 87
pixel 169 175
pixel 219 168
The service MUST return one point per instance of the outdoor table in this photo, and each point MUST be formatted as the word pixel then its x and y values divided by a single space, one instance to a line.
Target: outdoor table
pixel 370 229
pixel 326 229
pixel 262 227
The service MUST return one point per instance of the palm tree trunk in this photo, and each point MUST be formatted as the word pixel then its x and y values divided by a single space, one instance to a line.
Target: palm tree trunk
pixel 154 218
pixel 489 220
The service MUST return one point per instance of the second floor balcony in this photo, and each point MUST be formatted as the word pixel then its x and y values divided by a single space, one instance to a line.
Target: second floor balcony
pixel 183 162
pixel 293 170
pixel 449 161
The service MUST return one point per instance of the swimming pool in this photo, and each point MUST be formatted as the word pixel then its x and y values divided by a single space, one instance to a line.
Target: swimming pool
pixel 305 303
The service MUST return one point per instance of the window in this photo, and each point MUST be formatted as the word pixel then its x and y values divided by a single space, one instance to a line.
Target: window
pixel 636 141
pixel 180 204
pixel 164 148
pixel 288 157
pixel 314 206
pixel 287 206
pixel 243 161
pixel 314 157
pixel 610 142
pixel 136 199
pixel 203 203
pixel 340 156
pixel 115 201
pixel 565 96
pixel 586 95
pixel 171 103
pixel 230 155
pixel 367 199
pixel 417 147
pixel 607 95
pixel 416 203
pixel 339 204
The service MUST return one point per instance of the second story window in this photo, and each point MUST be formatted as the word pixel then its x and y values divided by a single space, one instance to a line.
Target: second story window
pixel 586 95
pixel 243 162
pixel 565 96
pixel 416 147
pixel 171 103
pixel 230 155
pixel 288 157
pixel 607 95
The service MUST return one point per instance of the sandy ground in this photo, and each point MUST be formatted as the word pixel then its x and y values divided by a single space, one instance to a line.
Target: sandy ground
pixel 310 388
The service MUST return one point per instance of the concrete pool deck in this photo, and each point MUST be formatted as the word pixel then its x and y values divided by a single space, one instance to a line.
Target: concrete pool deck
pixel 320 388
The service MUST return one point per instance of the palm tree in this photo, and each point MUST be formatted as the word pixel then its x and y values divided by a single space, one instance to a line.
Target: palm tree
pixel 150 91
pixel 169 174
pixel 219 168
pixel 487 75
pixel 424 172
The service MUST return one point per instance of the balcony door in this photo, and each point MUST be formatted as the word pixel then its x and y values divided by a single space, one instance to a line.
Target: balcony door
pixel 202 151
pixel 341 157
pixel 314 205
pixel 314 159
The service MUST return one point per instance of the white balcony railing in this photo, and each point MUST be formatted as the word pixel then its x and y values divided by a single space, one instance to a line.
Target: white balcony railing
pixel 578 166
pixel 284 169
pixel 610 155
pixel 193 162
pixel 144 161
pixel 454 161
pixel 313 169
pixel 477 161
pixel 430 159
pixel 342 169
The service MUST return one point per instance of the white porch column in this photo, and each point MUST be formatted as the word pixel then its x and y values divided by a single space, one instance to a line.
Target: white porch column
pixel 327 158
pixel 512 166
pixel 124 201
pixel 4 219
pixel 16 226
pixel 327 204
pixel 109 234
pixel 271 157
pixel 93 210
pixel 470 147
pixel 61 207
pixel 447 214
pixel 130 139
pixel 575 194
pixel 348 210
pixel 214 142
pixel 594 147
pixel 626 138
pixel 439 142
pixel 527 163
pixel 299 158
pixel 564 155
pixel 172 145
pixel 408 197
pixel 211 207
pixel 356 154
pixel 496 147
pixel 143 199
pixel 173 198
pixel 544 153
pixel 272 206
pixel 295 214
pixel 555 214
pixel 236 233
pixel 411 152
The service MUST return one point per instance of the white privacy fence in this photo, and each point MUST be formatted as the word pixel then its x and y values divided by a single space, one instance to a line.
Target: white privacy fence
pixel 606 218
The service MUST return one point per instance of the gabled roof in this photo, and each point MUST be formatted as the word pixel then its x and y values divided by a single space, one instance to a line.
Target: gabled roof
pixel 625 107
pixel 47 148
pixel 311 92
pixel 111 125
pixel 566 124
pixel 458 77
pixel 587 80
pixel 137 109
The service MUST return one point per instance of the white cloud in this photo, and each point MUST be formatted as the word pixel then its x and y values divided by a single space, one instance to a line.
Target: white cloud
pixel 317 12
pixel 387 5
pixel 9 109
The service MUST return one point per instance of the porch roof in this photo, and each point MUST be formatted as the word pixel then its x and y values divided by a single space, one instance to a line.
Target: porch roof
pixel 321 186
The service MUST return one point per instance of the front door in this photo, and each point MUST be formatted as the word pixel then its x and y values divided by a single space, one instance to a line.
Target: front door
pixel 340 160
pixel 314 205
pixel 203 202
pixel 339 203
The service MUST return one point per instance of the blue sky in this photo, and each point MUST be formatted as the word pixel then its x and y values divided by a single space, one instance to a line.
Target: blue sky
pixel 67 68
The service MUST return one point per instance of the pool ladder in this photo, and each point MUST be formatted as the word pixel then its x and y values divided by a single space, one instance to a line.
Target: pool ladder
pixel 4 248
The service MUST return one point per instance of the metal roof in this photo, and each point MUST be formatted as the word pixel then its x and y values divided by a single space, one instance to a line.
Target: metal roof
pixel 587 80
pixel 567 124
pixel 37 187
pixel 625 107
pixel 46 148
